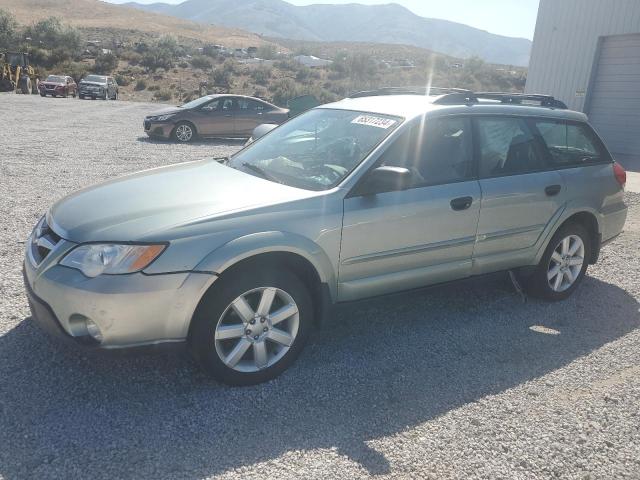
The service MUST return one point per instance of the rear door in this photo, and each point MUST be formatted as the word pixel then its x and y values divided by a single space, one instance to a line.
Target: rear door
pixel 249 115
pixel 405 239
pixel 521 194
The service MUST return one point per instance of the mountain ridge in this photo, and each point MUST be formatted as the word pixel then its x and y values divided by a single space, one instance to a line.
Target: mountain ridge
pixel 387 23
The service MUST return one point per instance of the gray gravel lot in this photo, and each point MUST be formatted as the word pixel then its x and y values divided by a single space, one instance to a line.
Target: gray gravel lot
pixel 462 381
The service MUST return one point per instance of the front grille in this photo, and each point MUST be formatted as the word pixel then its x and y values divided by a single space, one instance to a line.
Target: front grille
pixel 43 241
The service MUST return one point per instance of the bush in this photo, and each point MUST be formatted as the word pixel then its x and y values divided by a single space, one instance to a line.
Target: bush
pixel 283 90
pixel 76 70
pixel 123 80
pixel 222 77
pixel 163 95
pixel 140 85
pixel 201 62
pixel 62 42
pixel 134 58
pixel 153 88
pixel 105 63
pixel 261 75
pixel 266 52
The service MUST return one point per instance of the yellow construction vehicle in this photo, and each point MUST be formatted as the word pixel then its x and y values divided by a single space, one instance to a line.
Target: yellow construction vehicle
pixel 16 74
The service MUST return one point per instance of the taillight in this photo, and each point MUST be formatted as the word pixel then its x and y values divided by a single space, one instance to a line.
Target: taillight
pixel 620 174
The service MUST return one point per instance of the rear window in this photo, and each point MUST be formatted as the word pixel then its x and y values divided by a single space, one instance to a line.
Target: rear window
pixel 570 144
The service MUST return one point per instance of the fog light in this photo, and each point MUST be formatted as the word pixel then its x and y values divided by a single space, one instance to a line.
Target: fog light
pixel 94 330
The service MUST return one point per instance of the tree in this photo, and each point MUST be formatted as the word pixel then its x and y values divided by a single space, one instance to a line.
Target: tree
pixel 8 30
pixel 62 42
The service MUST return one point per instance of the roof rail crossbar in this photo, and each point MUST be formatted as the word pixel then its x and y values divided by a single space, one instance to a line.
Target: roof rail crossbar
pixel 417 90
pixel 520 98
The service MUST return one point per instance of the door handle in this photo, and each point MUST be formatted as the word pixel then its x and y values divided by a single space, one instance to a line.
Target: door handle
pixel 552 190
pixel 462 203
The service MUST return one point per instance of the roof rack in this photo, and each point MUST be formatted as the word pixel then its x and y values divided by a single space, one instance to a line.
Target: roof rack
pixel 522 99
pixel 459 96
pixel 409 91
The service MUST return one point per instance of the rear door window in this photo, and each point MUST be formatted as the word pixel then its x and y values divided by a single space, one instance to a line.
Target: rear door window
pixel 570 144
pixel 507 147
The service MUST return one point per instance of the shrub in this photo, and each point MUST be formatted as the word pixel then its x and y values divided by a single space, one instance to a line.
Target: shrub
pixel 201 62
pixel 134 58
pixel 8 30
pixel 222 77
pixel 163 95
pixel 140 85
pixel 76 70
pixel 122 80
pixel 261 75
pixel 105 63
pixel 62 42
pixel 153 88
pixel 267 52
pixel 283 90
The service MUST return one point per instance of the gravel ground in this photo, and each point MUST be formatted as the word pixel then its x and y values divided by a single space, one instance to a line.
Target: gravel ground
pixel 458 382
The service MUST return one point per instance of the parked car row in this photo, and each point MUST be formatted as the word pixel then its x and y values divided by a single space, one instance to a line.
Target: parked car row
pixel 92 86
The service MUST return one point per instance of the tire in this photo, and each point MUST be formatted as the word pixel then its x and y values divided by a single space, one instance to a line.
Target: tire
pixel 81 97
pixel 25 85
pixel 227 345
pixel 73 94
pixel 547 286
pixel 42 94
pixel 184 132
pixel 115 96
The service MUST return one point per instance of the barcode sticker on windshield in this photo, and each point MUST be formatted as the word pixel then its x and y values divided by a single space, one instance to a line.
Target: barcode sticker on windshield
pixel 373 121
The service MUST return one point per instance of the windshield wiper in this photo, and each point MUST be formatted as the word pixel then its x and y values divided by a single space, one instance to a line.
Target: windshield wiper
pixel 263 173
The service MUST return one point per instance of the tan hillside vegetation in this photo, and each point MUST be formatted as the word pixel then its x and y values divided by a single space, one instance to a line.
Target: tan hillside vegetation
pixel 94 14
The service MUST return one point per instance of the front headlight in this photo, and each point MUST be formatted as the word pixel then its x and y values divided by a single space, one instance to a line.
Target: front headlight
pixel 111 259
pixel 162 118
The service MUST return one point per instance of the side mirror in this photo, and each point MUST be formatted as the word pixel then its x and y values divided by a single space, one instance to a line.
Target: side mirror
pixel 384 179
pixel 261 131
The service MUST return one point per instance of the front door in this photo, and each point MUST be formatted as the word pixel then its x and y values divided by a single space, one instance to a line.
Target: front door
pixel 405 239
pixel 521 196
pixel 216 118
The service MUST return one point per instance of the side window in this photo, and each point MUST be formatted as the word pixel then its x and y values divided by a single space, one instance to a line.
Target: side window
pixel 227 104
pixel 437 151
pixel 246 105
pixel 211 106
pixel 507 147
pixel 570 144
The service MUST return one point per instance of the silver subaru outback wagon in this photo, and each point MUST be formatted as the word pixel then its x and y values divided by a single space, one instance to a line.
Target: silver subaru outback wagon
pixel 371 195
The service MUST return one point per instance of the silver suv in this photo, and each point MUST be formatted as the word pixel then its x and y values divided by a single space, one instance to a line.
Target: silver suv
pixel 240 257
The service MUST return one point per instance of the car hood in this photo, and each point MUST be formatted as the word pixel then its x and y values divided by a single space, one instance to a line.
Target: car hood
pixel 52 84
pixel 92 84
pixel 150 204
pixel 166 111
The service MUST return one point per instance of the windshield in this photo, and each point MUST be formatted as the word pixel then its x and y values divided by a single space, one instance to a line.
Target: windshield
pixel 96 78
pixel 317 149
pixel 56 79
pixel 197 102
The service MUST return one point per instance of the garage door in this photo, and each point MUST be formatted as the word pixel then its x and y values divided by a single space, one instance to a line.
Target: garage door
pixel 614 108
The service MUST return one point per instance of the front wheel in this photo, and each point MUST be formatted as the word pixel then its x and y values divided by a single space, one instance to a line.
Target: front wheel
pixel 251 327
pixel 184 132
pixel 563 265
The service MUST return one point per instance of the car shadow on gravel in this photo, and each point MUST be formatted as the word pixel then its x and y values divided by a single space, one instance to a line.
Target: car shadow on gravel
pixel 375 369
pixel 222 142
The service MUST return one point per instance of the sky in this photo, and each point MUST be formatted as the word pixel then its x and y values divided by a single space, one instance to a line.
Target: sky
pixel 513 18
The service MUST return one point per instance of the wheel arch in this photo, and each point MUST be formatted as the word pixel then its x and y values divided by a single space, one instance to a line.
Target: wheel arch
pixel 589 221
pixel 276 250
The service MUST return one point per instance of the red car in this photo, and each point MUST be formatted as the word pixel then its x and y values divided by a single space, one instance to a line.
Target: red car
pixel 58 85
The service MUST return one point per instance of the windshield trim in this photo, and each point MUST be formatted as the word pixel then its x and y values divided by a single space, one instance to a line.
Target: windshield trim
pixel 401 120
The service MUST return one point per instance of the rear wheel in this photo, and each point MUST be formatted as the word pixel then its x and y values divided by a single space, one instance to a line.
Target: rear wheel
pixel 42 94
pixel 252 326
pixel 25 85
pixel 563 265
pixel 184 132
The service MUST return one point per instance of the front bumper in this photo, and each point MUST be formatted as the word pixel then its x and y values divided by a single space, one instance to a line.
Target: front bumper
pixel 130 310
pixel 157 129
pixel 91 93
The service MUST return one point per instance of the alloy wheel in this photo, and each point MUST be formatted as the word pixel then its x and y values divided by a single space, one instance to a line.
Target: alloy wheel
pixel 566 263
pixel 184 133
pixel 257 329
